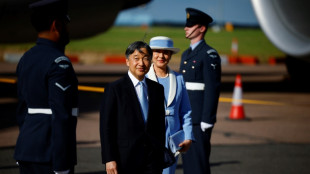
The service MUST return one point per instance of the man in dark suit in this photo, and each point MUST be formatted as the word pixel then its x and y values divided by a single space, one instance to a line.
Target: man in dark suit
pixel 132 119
pixel 201 69
pixel 48 96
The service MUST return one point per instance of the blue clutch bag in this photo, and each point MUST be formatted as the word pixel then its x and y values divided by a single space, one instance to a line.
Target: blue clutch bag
pixel 175 140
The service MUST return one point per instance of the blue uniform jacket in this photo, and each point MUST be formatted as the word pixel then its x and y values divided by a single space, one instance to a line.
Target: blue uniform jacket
pixel 46 115
pixel 178 109
pixel 202 66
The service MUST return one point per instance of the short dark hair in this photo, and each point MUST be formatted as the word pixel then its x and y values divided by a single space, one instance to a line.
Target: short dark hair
pixel 137 45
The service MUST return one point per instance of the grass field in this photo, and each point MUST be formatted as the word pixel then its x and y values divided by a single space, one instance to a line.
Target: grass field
pixel 115 41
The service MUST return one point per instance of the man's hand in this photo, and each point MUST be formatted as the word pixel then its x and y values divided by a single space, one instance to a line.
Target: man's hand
pixel 111 167
pixel 185 145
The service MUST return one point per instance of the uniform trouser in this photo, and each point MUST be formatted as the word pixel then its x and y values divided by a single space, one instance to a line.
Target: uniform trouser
pixel 37 168
pixel 196 159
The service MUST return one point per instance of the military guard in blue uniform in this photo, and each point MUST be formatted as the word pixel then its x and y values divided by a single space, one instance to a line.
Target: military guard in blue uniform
pixel 201 69
pixel 48 96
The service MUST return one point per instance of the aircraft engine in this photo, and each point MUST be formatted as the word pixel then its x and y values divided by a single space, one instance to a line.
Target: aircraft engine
pixel 286 24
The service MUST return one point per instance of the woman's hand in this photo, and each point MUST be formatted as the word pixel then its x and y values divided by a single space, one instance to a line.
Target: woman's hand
pixel 185 145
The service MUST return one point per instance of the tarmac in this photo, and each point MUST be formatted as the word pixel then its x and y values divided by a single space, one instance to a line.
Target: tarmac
pixel 274 138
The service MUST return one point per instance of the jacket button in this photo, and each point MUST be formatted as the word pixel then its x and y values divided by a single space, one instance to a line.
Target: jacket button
pixel 193 67
pixel 184 71
pixel 185 62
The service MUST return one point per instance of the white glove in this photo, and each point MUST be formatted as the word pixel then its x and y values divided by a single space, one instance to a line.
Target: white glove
pixel 62 172
pixel 204 126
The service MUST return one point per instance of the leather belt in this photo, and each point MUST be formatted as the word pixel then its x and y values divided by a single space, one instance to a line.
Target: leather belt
pixel 194 86
pixel 75 111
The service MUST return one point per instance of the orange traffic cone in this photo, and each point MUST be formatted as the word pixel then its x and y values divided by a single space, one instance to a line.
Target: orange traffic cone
pixel 234 47
pixel 237 111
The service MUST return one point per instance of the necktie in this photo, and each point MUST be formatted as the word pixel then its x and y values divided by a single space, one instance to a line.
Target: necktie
pixel 143 101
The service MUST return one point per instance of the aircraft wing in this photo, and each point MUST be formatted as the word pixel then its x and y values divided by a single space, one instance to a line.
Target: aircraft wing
pixel 88 18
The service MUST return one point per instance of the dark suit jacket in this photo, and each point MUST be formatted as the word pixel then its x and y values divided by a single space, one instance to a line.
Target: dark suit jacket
pixel 125 138
pixel 202 65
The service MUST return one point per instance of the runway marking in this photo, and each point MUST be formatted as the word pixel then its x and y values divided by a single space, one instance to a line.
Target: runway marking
pixel 260 102
pixel 100 89
pixel 5 80
pixel 90 88
pixel 8 100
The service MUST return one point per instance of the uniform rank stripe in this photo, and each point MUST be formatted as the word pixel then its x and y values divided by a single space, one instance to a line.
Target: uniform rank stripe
pixel 61 87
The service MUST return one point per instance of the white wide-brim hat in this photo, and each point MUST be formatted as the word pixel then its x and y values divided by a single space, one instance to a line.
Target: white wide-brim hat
pixel 163 43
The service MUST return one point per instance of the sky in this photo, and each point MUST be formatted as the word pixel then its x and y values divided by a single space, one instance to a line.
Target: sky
pixel 238 12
